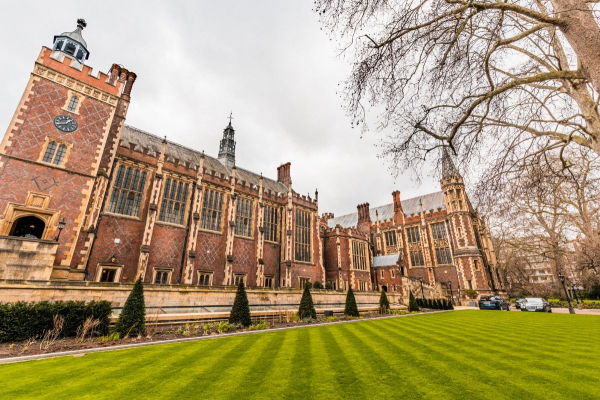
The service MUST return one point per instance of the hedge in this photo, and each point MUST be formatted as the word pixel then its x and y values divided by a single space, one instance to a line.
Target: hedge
pixel 586 305
pixel 22 320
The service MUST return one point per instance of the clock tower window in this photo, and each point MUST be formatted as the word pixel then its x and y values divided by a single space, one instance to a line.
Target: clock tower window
pixel 55 153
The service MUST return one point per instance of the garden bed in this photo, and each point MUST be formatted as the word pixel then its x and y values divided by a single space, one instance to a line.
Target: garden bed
pixel 156 333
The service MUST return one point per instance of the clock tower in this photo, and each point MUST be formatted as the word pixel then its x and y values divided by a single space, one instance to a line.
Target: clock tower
pixel 56 158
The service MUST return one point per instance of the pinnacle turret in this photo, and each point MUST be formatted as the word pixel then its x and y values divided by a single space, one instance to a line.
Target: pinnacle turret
pixel 227 146
pixel 449 170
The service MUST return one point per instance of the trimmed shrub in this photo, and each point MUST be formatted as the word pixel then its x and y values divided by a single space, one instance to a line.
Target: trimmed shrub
pixel 240 312
pixel 384 303
pixel 132 321
pixel 328 286
pixel 428 303
pixel 351 308
pixel 450 305
pixel 22 320
pixel 420 302
pixel 318 285
pixel 412 303
pixel 438 304
pixel 471 293
pixel 307 308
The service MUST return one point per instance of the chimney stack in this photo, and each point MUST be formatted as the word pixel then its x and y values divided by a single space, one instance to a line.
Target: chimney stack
pixel 364 218
pixel 283 174
pixel 398 211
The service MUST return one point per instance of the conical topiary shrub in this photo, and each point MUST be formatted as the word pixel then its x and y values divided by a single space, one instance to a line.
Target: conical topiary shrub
pixel 420 302
pixel 384 303
pixel 438 304
pixel 412 303
pixel 307 308
pixel 240 312
pixel 132 320
pixel 351 309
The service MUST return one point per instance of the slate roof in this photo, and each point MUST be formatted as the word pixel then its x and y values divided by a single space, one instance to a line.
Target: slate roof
pixel 141 139
pixel 431 201
pixel 385 261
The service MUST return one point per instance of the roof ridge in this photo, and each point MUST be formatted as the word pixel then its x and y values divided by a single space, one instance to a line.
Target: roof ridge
pixel 391 204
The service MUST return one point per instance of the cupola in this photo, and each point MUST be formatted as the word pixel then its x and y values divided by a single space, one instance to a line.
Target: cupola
pixel 72 43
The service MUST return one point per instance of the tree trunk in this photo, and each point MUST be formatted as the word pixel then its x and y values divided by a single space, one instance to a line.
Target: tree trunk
pixel 583 33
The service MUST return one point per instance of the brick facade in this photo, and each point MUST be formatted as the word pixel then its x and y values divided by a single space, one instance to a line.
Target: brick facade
pixel 137 205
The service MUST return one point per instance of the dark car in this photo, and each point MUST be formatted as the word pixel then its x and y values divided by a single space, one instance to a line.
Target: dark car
pixel 518 303
pixel 536 304
pixel 493 303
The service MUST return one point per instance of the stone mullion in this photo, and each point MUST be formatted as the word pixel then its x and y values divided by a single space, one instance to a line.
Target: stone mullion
pixel 228 279
pixel 260 243
pixel 194 225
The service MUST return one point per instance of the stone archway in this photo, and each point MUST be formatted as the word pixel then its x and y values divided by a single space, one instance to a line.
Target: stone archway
pixel 28 227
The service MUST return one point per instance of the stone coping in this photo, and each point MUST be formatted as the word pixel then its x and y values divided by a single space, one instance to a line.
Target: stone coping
pixel 79 353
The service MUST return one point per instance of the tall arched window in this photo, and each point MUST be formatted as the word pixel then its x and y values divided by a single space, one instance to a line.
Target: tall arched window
pixel 126 197
pixel 73 103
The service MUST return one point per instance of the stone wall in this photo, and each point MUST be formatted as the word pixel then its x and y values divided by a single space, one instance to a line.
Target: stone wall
pixel 173 296
pixel 26 259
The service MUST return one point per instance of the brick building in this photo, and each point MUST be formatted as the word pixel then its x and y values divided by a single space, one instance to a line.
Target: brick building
pixel 437 238
pixel 86 197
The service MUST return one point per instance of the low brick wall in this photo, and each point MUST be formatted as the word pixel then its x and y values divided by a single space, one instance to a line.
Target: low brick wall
pixel 173 296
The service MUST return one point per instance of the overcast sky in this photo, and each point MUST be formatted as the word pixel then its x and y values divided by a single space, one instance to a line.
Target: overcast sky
pixel 267 61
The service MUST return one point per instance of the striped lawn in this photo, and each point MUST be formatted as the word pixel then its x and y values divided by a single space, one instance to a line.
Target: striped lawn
pixel 456 355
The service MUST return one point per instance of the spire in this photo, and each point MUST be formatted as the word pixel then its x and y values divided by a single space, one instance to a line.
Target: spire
pixel 448 168
pixel 227 146
pixel 72 43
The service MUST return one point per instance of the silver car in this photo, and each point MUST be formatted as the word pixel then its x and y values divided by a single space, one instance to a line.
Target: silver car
pixel 536 304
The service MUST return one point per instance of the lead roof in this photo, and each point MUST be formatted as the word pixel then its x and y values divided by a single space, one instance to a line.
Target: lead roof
pixel 140 139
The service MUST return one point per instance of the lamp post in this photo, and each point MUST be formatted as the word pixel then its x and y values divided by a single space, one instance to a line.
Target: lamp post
pixel 61 226
pixel 451 295
pixel 422 291
pixel 561 277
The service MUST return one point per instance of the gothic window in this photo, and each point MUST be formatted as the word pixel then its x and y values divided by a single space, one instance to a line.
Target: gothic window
pixel 205 278
pixel 55 153
pixel 390 239
pixel 439 231
pixel 302 238
pixel 268 281
pixel 237 278
pixel 212 210
pixel 271 223
pixel 161 278
pixel 359 255
pixel 413 235
pixel 416 258
pixel 443 255
pixel 73 103
pixel 174 199
pixel 362 286
pixel 128 189
pixel 243 217
pixel 304 282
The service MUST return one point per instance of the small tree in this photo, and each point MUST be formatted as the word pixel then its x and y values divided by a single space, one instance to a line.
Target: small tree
pixel 132 321
pixel 240 311
pixel 307 308
pixel 412 303
pixel 471 293
pixel 351 308
pixel 384 303
pixel 318 285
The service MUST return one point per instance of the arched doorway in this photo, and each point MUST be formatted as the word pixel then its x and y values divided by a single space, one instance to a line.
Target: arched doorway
pixel 384 288
pixel 29 227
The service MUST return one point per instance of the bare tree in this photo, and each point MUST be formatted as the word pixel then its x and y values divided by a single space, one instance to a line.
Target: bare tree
pixel 489 78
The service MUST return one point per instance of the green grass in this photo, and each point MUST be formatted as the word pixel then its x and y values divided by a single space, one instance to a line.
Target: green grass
pixel 458 355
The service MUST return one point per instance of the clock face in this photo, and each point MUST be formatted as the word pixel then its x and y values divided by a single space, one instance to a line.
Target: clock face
pixel 65 123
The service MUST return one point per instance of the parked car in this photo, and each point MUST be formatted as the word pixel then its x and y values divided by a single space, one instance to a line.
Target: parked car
pixel 518 303
pixel 536 304
pixel 493 303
